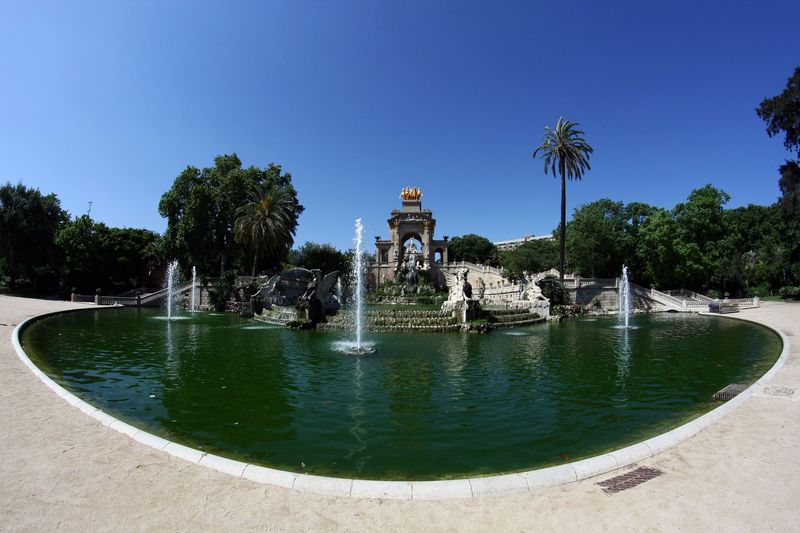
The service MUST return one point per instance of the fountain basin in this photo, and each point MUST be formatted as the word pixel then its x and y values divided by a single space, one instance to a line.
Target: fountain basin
pixel 424 407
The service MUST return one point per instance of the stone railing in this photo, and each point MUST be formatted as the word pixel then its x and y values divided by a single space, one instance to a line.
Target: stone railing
pixel 500 292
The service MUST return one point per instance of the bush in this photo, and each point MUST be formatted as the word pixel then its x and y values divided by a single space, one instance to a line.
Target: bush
pixel 222 291
pixel 790 292
pixel 554 290
pixel 565 311
pixel 760 291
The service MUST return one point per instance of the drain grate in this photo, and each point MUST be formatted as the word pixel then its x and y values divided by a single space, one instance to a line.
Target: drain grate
pixel 729 392
pixel 629 480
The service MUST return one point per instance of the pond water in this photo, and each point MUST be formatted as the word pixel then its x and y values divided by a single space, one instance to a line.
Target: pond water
pixel 424 406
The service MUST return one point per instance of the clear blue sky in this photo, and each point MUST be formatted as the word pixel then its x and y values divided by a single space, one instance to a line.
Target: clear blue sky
pixel 109 101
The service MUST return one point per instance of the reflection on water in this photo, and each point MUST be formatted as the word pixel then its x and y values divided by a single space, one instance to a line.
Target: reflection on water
pixel 423 406
pixel 623 356
pixel 357 430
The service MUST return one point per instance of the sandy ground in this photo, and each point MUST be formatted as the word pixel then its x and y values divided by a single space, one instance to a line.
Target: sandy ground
pixel 61 470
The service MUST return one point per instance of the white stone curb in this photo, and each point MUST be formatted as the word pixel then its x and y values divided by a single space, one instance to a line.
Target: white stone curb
pixel 411 490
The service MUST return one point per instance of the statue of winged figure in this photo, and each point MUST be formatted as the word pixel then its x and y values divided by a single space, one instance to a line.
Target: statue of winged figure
pixel 459 289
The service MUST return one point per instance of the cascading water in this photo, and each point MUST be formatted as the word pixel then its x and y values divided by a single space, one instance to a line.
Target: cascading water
pixel 339 293
pixel 172 274
pixel 624 299
pixel 194 288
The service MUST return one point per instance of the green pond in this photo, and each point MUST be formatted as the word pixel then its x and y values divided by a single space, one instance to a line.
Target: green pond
pixel 424 406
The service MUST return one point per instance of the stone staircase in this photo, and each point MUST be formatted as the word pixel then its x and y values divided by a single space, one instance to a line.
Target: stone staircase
pixel 395 320
pixel 278 315
pixel 512 318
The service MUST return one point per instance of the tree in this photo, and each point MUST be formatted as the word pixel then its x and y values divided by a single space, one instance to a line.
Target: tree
pixel 782 113
pixel 265 224
pixel 596 238
pixel 28 224
pixel 565 150
pixel 201 211
pixel 532 256
pixel 687 247
pixel 324 257
pixel 81 244
pixel 473 248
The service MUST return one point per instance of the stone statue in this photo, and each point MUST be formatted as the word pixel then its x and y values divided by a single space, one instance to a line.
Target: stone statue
pixel 318 300
pixel 532 290
pixel 459 289
pixel 409 269
pixel 459 299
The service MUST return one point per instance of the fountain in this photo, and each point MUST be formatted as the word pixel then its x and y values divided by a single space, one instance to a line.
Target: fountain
pixel 358 346
pixel 194 288
pixel 172 273
pixel 339 290
pixel 624 299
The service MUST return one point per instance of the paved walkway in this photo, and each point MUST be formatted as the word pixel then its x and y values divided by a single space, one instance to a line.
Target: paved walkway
pixel 61 470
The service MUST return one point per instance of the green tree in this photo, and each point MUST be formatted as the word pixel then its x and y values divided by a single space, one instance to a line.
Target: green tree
pixel 688 247
pixel 656 250
pixel 265 224
pixel 81 242
pixel 532 256
pixel 201 211
pixel 324 257
pixel 474 249
pixel 564 150
pixel 596 238
pixel 782 113
pixel 28 224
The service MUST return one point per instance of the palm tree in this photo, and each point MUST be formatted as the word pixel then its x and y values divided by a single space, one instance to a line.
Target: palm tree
pixel 564 149
pixel 265 224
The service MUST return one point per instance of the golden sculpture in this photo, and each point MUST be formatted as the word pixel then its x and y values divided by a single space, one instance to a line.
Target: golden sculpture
pixel 411 193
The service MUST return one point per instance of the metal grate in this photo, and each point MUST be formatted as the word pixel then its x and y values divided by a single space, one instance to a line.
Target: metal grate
pixel 728 392
pixel 629 479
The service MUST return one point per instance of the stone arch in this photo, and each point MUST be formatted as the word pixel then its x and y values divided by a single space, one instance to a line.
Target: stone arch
pixel 438 256
pixel 410 236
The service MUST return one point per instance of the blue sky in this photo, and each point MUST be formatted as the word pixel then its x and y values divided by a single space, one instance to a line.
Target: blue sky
pixel 108 101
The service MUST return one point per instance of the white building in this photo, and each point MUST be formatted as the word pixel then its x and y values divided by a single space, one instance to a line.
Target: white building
pixel 512 244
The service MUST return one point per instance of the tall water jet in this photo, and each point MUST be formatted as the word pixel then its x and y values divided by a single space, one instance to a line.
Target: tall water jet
pixel 172 274
pixel 357 346
pixel 194 288
pixel 624 299
pixel 358 277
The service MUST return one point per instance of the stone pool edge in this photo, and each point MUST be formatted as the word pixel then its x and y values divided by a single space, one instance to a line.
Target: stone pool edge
pixel 410 490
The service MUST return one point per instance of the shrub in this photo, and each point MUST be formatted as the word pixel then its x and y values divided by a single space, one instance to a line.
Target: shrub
pixel 554 290
pixel 760 290
pixel 790 292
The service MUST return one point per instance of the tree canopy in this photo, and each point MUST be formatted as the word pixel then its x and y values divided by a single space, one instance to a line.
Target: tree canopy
pixel 324 257
pixel 782 113
pixel 29 221
pixel 201 211
pixel 532 256
pixel 473 248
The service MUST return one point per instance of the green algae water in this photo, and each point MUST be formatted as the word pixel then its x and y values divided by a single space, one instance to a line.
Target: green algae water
pixel 424 406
